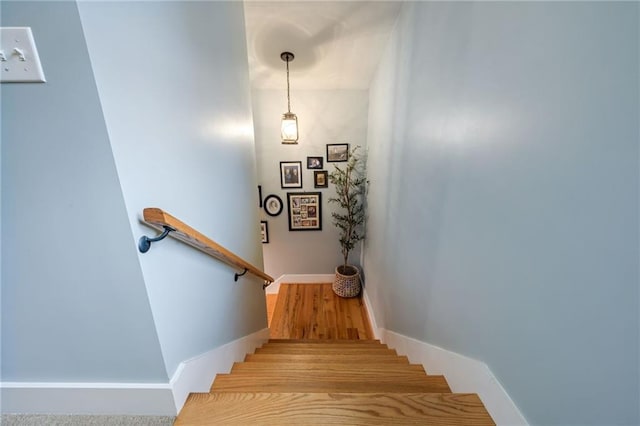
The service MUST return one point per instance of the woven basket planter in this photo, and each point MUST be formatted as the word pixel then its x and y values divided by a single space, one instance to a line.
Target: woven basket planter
pixel 347 283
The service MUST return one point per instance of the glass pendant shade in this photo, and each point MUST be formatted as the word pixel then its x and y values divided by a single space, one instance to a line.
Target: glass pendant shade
pixel 289 128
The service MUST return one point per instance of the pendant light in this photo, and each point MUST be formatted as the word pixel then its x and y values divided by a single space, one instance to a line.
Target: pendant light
pixel 289 127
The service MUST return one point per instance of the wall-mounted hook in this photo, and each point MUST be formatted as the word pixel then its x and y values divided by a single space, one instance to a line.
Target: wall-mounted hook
pixel 236 276
pixel 144 243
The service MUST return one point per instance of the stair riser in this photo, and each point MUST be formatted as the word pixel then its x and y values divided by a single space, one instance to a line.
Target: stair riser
pixel 323 341
pixel 320 346
pixel 354 359
pixel 268 386
pixel 292 351
pixel 280 367
pixel 318 383
pixel 328 374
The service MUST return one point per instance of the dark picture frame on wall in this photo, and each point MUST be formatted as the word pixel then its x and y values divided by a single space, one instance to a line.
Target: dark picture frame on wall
pixel 291 174
pixel 264 231
pixel 273 205
pixel 320 179
pixel 305 211
pixel 315 162
pixel 337 152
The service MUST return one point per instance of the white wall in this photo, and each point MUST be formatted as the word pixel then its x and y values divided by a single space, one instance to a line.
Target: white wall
pixel 503 159
pixel 174 87
pixel 74 303
pixel 325 117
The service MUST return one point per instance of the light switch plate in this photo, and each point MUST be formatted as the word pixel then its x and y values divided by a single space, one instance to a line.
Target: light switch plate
pixel 19 59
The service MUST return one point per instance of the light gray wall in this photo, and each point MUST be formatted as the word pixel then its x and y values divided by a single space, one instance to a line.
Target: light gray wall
pixel 325 117
pixel 74 304
pixel 503 159
pixel 1 274
pixel 174 86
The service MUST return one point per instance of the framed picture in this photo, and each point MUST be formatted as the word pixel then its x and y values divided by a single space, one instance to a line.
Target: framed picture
pixel 260 196
pixel 337 152
pixel 273 205
pixel 305 211
pixel 314 162
pixel 264 231
pixel 320 179
pixel 291 174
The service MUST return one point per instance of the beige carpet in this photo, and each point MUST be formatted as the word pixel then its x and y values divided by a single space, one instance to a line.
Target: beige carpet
pixel 78 420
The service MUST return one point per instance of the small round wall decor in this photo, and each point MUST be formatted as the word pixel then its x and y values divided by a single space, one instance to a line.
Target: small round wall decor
pixel 273 205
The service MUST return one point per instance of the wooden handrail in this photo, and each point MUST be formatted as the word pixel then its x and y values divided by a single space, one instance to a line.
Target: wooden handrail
pixel 160 219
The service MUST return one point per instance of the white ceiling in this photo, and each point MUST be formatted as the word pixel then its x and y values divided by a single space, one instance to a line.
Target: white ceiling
pixel 337 44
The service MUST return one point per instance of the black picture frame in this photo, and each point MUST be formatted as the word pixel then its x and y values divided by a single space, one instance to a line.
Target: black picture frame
pixel 260 196
pixel 305 211
pixel 337 152
pixel 320 179
pixel 315 162
pixel 264 231
pixel 273 205
pixel 290 174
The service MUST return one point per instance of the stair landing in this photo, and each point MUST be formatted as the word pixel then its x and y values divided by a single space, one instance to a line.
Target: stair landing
pixel 314 311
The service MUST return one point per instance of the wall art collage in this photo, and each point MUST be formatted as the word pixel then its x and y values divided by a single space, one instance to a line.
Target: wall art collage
pixel 304 209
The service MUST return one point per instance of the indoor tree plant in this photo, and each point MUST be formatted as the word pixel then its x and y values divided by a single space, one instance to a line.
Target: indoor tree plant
pixel 350 185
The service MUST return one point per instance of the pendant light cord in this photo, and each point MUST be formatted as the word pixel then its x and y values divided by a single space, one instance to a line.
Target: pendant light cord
pixel 288 97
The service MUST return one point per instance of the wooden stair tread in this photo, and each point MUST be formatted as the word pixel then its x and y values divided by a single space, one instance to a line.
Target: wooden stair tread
pixel 325 341
pixel 321 346
pixel 382 368
pixel 313 375
pixel 334 409
pixel 327 351
pixel 336 383
pixel 326 358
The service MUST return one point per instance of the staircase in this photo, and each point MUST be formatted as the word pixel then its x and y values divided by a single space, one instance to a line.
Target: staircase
pixel 340 382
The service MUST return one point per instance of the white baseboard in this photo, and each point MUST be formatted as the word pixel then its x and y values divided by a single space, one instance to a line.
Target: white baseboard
pixel 141 399
pixel 372 318
pixel 197 374
pixel 299 279
pixel 464 375
pixel 152 399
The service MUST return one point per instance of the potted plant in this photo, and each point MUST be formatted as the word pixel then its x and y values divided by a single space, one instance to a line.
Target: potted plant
pixel 350 184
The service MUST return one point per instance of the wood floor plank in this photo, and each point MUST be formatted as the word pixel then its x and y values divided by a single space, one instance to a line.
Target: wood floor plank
pixel 334 409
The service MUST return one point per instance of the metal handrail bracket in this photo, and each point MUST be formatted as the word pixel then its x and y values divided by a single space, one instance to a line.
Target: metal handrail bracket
pixel 144 243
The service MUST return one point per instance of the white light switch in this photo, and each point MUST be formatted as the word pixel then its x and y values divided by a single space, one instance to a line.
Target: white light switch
pixel 19 57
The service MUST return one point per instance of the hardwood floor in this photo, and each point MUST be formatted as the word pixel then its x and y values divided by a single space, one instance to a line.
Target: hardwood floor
pixel 314 311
